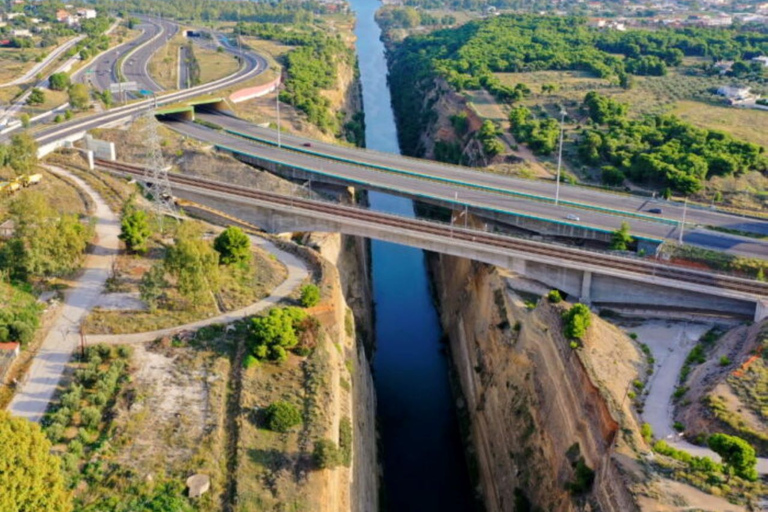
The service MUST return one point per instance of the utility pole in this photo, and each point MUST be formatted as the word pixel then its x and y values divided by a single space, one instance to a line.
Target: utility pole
pixel 559 157
pixel 682 224
pixel 277 105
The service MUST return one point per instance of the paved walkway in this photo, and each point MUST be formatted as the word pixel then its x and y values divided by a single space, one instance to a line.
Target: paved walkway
pixel 670 343
pixel 297 272
pixel 40 383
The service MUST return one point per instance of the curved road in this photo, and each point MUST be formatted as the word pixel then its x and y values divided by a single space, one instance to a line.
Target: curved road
pixel 55 54
pixel 478 198
pixel 102 71
pixel 135 66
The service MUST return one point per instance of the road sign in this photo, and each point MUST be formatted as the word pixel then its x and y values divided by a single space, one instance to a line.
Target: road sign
pixel 145 92
pixel 123 87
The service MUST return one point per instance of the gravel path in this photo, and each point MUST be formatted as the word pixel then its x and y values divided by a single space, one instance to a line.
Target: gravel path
pixel 40 383
pixel 38 386
pixel 297 272
pixel 670 343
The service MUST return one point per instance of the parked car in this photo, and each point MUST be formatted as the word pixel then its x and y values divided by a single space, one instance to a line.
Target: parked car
pixel 655 210
pixel 571 216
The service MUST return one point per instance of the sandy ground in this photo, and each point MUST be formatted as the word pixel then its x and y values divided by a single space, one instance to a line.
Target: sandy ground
pixel 670 342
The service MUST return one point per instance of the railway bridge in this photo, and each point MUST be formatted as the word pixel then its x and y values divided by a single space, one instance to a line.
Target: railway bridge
pixel 600 278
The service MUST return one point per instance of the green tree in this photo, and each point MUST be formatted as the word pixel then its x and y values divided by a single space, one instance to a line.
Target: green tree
pixel 233 246
pixel 194 263
pixel 275 329
pixel 134 229
pixel 25 121
pixel 36 97
pixel 554 296
pixel 31 477
pixel 45 243
pixel 310 296
pixel 79 96
pixel 577 321
pixel 152 286
pixel 282 416
pixel 737 454
pixel 59 81
pixel 22 155
pixel 621 240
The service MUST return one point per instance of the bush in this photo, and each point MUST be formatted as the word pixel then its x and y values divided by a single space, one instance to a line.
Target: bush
pixel 275 332
pixel 90 417
pixel 577 321
pixel 310 296
pixel 282 416
pixel 55 431
pixel 725 361
pixel 737 454
pixel 249 361
pixel 647 432
pixel 233 246
pixel 326 454
pixel 554 297
pixel 345 441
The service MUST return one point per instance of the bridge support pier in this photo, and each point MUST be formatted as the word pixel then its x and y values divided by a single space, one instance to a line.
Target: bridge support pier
pixel 586 287
pixel 761 310
pixel 518 266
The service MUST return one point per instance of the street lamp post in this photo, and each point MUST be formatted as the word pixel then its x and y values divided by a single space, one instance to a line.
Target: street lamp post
pixel 559 157
pixel 277 105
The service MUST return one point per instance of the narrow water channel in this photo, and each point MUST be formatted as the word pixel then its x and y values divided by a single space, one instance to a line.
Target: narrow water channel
pixel 424 466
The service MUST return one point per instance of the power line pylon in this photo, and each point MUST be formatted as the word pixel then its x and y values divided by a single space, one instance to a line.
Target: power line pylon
pixel 155 170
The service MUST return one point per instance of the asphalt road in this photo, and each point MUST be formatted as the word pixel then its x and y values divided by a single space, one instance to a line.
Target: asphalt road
pixel 135 66
pixel 183 68
pixel 103 71
pixel 473 197
pixel 55 54
pixel 624 202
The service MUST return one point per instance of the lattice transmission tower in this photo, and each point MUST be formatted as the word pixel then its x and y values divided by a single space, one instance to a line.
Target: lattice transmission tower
pixel 155 169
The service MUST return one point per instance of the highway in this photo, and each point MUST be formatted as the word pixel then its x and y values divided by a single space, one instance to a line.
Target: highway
pixel 135 64
pixel 475 197
pixel 103 70
pixel 545 189
pixel 645 270
pixel 253 65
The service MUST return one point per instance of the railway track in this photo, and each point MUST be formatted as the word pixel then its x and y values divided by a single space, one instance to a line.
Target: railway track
pixel 632 265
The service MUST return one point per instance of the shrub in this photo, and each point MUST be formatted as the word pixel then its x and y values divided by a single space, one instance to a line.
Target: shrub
pixel 99 399
pixel 282 416
pixel 326 454
pixel 737 454
pixel 678 426
pixel 310 296
pixel 725 361
pixel 233 246
pixel 584 476
pixel 75 447
pixel 55 431
pixel 554 296
pixel 345 441
pixel 647 432
pixel 90 417
pixel 275 332
pixel 249 360
pixel 577 321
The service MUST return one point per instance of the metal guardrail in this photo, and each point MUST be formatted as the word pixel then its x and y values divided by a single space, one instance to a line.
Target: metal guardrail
pixel 451 181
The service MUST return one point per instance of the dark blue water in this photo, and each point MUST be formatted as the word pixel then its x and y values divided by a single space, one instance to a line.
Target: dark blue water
pixel 424 466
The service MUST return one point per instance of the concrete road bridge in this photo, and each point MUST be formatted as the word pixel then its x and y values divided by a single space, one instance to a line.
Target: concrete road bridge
pixel 595 277
pixel 582 213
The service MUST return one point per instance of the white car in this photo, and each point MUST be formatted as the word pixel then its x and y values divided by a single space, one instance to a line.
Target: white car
pixel 571 216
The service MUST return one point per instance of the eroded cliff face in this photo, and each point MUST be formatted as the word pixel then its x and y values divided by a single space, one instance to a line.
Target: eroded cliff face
pixel 539 411
pixel 353 307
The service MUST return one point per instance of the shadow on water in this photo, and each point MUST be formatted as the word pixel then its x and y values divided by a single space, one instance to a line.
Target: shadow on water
pixel 424 465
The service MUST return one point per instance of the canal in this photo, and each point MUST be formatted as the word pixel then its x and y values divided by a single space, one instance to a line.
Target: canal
pixel 421 451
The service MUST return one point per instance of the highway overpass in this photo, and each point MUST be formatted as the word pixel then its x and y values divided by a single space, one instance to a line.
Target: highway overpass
pixel 597 277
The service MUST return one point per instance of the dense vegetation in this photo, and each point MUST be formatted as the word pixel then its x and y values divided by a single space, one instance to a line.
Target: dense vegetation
pixel 31 476
pixel 310 68
pixel 468 58
pixel 661 149
pixel 576 321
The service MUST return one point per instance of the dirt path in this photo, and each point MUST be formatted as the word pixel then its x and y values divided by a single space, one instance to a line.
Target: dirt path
pixel 297 272
pixel 39 385
pixel 670 343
